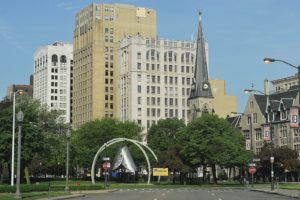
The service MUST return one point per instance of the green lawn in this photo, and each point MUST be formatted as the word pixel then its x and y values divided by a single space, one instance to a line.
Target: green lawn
pixel 290 186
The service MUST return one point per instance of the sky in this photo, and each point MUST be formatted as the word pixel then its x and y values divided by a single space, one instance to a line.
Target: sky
pixel 239 34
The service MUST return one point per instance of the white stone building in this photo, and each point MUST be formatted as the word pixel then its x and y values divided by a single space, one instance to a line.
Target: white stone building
pixel 155 79
pixel 52 77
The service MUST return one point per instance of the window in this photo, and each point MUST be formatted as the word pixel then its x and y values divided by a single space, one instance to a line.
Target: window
pixel 139 66
pixel 139 88
pixel 139 111
pixel 153 112
pixel 153 79
pixel 139 77
pixel 152 100
pixel 251 105
pixel 54 59
pixel 254 118
pixel 247 134
pixel 249 119
pixel 139 55
pixel 63 59
pixel 258 134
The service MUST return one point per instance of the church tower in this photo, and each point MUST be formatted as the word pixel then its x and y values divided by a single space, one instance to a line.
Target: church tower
pixel 201 98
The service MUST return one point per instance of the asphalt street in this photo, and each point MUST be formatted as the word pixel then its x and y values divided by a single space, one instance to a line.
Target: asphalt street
pixel 184 194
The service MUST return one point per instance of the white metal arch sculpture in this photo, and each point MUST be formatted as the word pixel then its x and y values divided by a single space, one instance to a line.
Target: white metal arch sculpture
pixel 139 144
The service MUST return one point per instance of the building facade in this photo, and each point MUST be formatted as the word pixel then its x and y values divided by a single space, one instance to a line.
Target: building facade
pixel 24 89
pixel 222 103
pixel 268 118
pixel 51 77
pixel 98 30
pixel 155 79
pixel 284 84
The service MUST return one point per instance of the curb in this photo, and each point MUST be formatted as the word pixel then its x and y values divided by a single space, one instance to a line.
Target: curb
pixel 77 194
pixel 64 197
pixel 277 193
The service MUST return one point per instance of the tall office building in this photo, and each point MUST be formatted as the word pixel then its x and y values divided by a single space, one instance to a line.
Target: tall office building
pixel 155 79
pixel 52 77
pixel 98 30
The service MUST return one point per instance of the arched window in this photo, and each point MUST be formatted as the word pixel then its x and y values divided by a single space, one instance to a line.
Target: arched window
pixel 170 56
pixel 54 59
pixel 63 59
pixel 187 57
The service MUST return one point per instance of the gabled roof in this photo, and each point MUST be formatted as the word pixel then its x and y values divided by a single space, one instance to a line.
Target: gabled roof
pixel 234 121
pixel 287 98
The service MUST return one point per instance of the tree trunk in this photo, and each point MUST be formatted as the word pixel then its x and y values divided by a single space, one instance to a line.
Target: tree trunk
pixel 229 174
pixel 174 176
pixel 26 171
pixel 214 173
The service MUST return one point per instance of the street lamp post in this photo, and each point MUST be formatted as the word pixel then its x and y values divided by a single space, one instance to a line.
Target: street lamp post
pixel 269 60
pixel 13 142
pixel 13 138
pixel 20 117
pixel 68 135
pixel 272 172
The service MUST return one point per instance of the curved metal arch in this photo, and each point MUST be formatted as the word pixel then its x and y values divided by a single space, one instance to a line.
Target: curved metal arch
pixel 116 140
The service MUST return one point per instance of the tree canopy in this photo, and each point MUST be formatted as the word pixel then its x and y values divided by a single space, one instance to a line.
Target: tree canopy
pixel 210 141
pixel 92 135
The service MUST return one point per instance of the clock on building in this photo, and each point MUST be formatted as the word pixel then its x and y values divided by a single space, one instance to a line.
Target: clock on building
pixel 205 86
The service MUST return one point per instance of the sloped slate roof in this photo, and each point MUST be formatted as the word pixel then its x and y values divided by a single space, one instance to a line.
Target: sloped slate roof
pixel 234 121
pixel 287 98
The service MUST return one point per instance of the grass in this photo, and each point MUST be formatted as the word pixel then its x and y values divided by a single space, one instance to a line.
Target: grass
pixel 290 186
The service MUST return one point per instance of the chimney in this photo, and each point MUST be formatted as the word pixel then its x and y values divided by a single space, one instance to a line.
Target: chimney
pixel 266 87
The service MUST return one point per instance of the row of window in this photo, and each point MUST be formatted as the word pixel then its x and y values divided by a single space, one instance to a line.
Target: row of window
pixel 169 43
pixel 170 56
pixel 168 90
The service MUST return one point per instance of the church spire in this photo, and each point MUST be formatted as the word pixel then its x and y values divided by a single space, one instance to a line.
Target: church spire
pixel 200 84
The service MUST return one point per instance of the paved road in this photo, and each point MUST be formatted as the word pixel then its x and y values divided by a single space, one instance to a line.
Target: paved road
pixel 185 194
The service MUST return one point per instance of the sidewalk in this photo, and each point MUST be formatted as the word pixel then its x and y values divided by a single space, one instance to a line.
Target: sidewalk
pixel 282 192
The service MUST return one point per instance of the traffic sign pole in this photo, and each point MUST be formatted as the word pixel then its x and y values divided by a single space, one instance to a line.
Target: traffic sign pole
pixel 106 166
pixel 252 171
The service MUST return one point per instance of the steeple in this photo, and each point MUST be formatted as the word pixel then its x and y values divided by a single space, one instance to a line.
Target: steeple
pixel 200 85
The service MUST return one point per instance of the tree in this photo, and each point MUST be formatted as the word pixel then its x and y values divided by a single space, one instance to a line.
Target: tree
pixel 92 135
pixel 210 141
pixel 284 159
pixel 37 124
pixel 162 139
